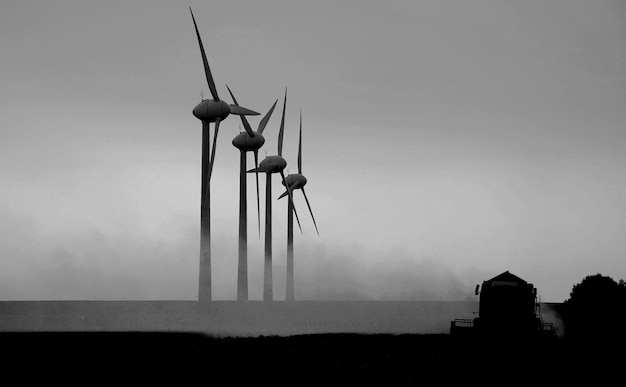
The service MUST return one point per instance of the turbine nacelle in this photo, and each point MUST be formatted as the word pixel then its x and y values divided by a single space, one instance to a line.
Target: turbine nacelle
pixel 246 143
pixel 210 110
pixel 271 164
pixel 295 181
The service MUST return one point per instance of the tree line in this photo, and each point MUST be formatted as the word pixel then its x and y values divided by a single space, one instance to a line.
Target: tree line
pixel 596 309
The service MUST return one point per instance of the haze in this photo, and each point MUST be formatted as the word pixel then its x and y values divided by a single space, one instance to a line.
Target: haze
pixel 444 143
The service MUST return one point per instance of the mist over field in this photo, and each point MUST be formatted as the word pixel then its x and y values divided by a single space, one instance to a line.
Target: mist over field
pixel 90 265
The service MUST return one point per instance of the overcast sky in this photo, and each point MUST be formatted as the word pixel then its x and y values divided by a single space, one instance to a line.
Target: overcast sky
pixel 444 143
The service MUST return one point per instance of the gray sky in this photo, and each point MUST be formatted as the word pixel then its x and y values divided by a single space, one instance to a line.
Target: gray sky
pixel 444 142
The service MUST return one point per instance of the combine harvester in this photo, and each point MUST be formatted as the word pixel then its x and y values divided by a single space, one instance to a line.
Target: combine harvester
pixel 507 307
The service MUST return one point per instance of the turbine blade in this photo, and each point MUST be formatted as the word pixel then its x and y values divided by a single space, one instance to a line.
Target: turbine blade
pixel 244 120
pixel 258 169
pixel 232 95
pixel 242 111
pixel 282 127
pixel 217 128
pixel 282 175
pixel 286 193
pixel 258 201
pixel 207 69
pixel 310 211
pixel 300 146
pixel 263 122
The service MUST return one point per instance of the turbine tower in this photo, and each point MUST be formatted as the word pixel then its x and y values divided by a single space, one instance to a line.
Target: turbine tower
pixel 207 111
pixel 293 182
pixel 248 141
pixel 270 165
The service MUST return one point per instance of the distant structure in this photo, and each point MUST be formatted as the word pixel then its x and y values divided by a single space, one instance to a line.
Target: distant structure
pixel 209 110
pixel 248 141
pixel 507 307
pixel 294 181
pixel 270 165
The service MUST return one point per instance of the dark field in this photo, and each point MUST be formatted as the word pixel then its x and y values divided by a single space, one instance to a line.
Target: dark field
pixel 88 357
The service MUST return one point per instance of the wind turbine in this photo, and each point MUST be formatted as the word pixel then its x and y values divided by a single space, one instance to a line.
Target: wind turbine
pixel 248 141
pixel 293 182
pixel 270 165
pixel 207 111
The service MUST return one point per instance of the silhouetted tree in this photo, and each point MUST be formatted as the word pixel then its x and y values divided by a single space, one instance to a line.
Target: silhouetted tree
pixel 596 309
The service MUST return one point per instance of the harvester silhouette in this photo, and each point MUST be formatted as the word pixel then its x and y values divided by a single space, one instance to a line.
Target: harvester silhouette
pixel 507 307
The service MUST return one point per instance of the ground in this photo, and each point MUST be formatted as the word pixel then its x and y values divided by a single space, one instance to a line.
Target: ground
pixel 296 360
